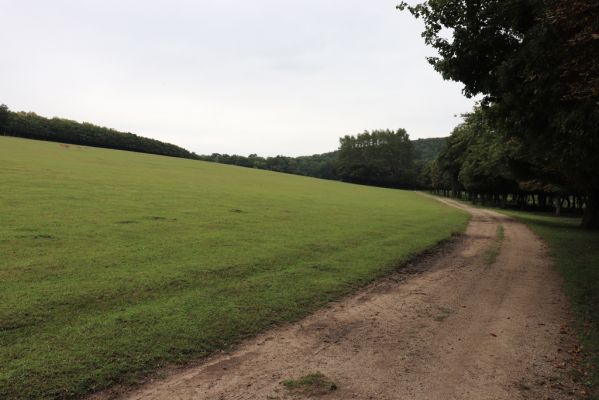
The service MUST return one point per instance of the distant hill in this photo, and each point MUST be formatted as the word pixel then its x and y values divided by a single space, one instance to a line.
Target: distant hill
pixel 426 150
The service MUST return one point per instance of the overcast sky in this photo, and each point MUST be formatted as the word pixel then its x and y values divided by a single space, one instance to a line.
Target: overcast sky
pixel 264 76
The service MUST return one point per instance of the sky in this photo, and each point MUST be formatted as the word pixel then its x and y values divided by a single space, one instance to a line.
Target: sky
pixel 265 76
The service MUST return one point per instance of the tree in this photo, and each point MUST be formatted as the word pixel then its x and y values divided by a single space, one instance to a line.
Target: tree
pixel 428 149
pixel 4 114
pixel 477 159
pixel 382 158
pixel 534 62
pixel 451 158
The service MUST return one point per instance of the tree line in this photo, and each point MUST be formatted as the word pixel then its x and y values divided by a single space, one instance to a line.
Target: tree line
pixel 318 165
pixel 485 166
pixel 535 135
pixel 32 126
pixel 380 158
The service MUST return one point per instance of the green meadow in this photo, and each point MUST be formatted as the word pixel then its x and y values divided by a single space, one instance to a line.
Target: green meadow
pixel 113 263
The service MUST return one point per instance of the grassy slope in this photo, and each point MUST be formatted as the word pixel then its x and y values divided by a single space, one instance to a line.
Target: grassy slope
pixel 115 263
pixel 576 256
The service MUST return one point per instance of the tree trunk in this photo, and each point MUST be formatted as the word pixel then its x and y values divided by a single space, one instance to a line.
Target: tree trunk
pixel 590 219
pixel 558 206
pixel 542 201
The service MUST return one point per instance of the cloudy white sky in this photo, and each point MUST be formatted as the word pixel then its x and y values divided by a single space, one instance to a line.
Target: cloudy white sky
pixel 264 76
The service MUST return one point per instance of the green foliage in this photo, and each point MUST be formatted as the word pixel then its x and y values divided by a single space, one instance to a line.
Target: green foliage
pixel 312 384
pixel 114 263
pixel 381 158
pixel 318 165
pixel 477 158
pixel 485 34
pixel 535 63
pixel 449 163
pixel 32 126
pixel 484 163
pixel 4 113
pixel 489 164
pixel 426 150
pixel 437 177
pixel 325 165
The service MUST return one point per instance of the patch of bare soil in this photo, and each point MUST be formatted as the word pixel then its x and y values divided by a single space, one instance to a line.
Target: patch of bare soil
pixel 454 325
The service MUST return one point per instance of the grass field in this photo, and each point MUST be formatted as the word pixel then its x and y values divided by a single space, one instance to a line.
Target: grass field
pixel 576 255
pixel 113 264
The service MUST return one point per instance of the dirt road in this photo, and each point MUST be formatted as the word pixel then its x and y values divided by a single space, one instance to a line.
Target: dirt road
pixel 481 318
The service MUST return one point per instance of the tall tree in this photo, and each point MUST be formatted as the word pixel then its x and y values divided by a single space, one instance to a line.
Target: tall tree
pixel 535 62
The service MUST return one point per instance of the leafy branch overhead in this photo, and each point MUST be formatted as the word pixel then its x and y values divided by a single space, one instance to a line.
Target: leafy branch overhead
pixel 534 64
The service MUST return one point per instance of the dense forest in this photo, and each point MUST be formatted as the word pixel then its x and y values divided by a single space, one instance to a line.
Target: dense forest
pixel 32 126
pixel 534 138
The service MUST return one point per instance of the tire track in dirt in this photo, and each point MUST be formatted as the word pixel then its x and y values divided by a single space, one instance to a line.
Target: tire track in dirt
pixel 449 326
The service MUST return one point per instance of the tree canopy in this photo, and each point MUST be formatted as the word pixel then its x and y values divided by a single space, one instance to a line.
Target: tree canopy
pixel 383 158
pixel 534 63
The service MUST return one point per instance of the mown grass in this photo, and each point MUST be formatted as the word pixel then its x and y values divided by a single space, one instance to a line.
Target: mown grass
pixel 113 264
pixel 576 255
pixel 312 384
pixel 492 252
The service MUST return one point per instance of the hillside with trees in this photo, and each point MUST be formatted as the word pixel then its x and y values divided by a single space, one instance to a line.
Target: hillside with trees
pixel 32 126
pixel 417 154
pixel 373 160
